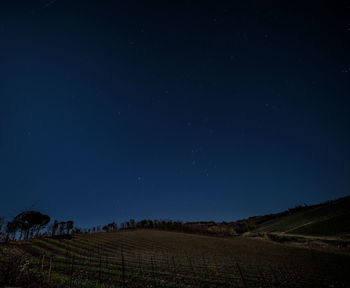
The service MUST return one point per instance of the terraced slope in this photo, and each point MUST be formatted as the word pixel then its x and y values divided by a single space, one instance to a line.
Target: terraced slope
pixel 149 258
pixel 330 219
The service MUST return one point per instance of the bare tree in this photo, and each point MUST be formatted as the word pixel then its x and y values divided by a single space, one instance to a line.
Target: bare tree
pixel 69 226
pixel 62 227
pixel 11 229
pixel 2 234
pixel 54 228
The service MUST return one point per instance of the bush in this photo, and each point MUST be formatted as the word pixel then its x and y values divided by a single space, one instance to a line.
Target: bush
pixel 17 270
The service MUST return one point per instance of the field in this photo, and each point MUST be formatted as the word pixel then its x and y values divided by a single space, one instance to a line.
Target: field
pixel 151 258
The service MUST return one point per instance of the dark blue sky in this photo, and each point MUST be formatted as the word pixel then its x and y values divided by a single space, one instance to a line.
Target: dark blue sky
pixel 189 110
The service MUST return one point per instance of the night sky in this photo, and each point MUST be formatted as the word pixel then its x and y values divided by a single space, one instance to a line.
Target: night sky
pixel 183 110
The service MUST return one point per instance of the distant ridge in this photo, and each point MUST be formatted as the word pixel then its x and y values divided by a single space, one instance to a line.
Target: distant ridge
pixel 330 219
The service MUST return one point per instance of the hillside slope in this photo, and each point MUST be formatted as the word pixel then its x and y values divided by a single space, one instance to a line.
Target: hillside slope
pixel 330 219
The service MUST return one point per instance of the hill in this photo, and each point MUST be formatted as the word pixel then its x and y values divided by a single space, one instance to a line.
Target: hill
pixel 328 221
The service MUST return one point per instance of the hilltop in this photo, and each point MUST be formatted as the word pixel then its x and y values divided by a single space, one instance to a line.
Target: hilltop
pixel 329 220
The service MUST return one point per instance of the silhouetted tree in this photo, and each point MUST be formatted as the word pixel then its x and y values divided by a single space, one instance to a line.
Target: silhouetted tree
pixel 69 226
pixel 62 227
pixel 11 229
pixel 77 230
pixel 30 223
pixel 54 228
pixel 142 224
pixel 112 226
pixel 132 224
pixel 2 234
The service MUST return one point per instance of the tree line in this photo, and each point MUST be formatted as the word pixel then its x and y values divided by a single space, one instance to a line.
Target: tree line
pixel 31 224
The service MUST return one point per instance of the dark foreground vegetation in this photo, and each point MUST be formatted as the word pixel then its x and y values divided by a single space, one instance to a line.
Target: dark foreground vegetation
pixel 151 258
pixel 157 253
